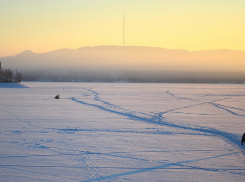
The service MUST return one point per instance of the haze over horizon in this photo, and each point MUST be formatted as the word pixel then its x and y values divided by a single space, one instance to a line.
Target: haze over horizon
pixel 159 41
pixel 66 48
pixel 129 57
pixel 44 26
pixel 130 64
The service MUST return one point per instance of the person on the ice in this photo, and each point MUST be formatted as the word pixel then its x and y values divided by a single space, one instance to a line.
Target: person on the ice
pixel 243 139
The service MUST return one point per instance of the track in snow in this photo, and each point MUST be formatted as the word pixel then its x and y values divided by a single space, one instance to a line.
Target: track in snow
pixel 159 119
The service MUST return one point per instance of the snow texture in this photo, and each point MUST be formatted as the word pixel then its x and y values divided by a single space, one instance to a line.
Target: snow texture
pixel 121 132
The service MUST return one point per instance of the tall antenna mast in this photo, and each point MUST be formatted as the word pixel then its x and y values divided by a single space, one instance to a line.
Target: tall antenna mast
pixel 123 29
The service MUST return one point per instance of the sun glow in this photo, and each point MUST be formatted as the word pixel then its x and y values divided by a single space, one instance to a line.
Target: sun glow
pixel 43 26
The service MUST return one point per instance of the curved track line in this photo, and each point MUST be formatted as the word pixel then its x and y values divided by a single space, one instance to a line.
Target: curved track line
pixel 158 119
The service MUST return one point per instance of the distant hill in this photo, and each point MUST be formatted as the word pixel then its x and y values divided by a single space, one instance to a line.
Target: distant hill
pixel 130 63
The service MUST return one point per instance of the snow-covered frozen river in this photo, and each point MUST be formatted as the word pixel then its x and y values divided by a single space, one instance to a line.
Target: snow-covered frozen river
pixel 122 132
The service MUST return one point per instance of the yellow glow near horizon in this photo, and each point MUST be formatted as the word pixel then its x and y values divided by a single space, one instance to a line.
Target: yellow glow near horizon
pixel 48 25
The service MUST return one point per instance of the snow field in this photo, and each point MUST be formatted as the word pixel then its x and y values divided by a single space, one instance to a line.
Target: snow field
pixel 122 132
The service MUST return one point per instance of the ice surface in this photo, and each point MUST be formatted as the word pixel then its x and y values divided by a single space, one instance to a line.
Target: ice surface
pixel 13 85
pixel 122 132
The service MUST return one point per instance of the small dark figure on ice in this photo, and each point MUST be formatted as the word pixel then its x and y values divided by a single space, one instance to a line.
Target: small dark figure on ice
pixel 243 139
pixel 57 96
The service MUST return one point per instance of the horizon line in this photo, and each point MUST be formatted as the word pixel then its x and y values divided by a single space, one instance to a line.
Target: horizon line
pixel 123 46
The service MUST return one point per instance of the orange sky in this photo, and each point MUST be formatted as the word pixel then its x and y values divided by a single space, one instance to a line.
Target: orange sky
pixel 47 25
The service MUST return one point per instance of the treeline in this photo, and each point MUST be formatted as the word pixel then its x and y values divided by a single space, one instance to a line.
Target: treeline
pixel 8 75
pixel 133 76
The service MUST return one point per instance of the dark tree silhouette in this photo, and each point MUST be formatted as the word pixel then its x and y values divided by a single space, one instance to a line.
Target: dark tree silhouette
pixel 18 77
pixel 7 75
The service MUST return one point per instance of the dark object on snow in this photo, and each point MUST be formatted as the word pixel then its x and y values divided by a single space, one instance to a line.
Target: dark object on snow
pixel 57 96
pixel 243 139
